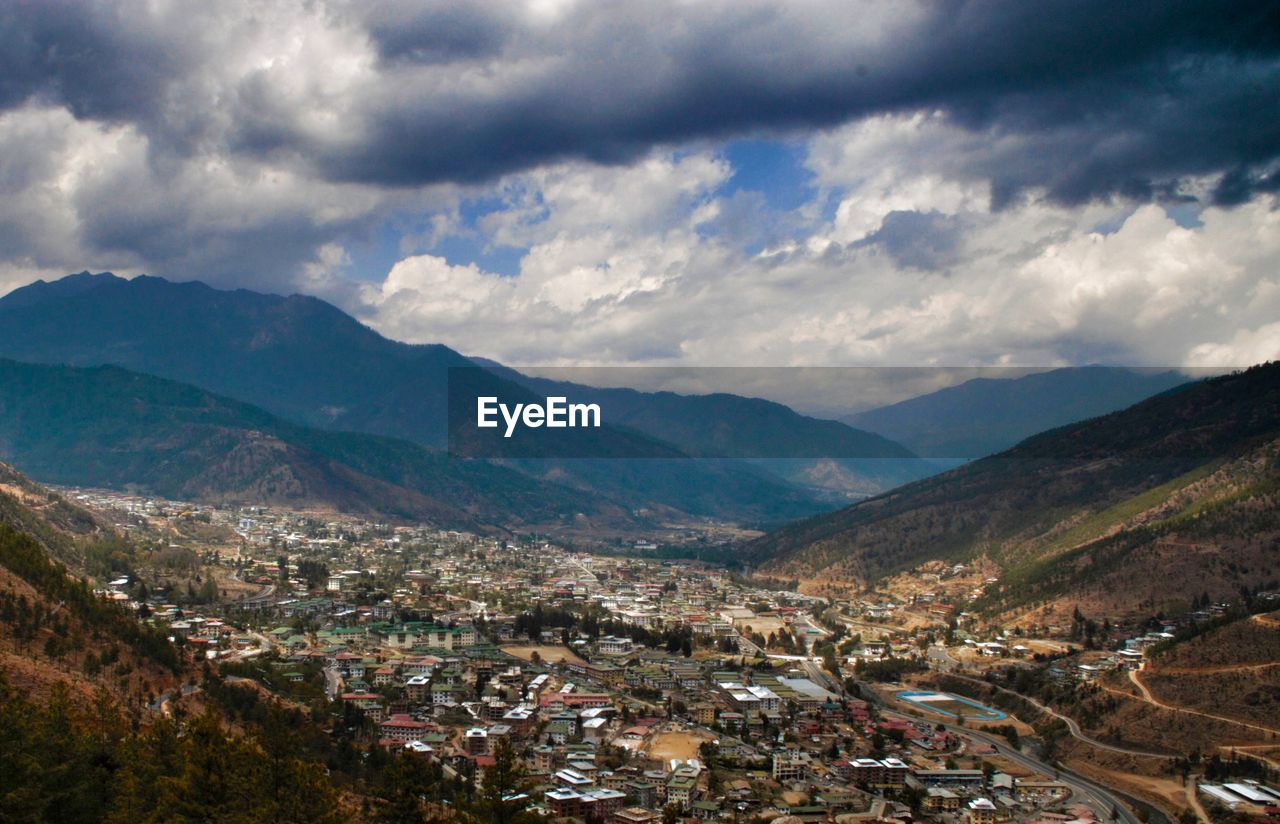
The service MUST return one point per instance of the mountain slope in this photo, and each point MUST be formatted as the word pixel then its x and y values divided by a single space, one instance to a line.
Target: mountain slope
pixel 55 522
pixel 105 426
pixel 306 361
pixel 296 356
pixel 1168 484
pixel 53 628
pixel 986 415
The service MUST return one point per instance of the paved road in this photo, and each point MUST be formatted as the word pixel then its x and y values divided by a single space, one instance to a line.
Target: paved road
pixel 942 658
pixel 822 678
pixel 1100 797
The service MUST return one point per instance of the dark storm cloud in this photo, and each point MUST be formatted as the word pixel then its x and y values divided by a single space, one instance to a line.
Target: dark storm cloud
pixel 1102 98
pixel 438 33
pixel 90 57
pixel 1089 99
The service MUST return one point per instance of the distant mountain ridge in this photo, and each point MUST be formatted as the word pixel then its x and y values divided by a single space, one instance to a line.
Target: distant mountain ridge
pixel 987 415
pixel 308 362
pixel 1185 483
pixel 807 451
pixel 108 427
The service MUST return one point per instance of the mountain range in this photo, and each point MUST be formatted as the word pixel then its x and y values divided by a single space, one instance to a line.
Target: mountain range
pixel 1134 510
pixel 235 395
pixel 322 379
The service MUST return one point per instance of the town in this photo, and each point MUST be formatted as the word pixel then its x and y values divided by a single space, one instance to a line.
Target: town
pixel 630 689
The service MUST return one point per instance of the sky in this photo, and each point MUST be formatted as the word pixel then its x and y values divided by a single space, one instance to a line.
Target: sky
pixel 672 183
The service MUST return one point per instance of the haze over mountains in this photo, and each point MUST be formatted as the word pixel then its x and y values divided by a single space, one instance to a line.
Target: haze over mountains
pixel 986 415
pixel 288 399
pixel 305 361
pixel 1133 510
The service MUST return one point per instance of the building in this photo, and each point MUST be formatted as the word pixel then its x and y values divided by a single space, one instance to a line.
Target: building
pixel 612 645
pixel 941 800
pixel 403 728
pixel 681 789
pixel 895 773
pixel 951 779
pixel 982 811
pixel 790 766
pixel 634 815
pixel 588 806
pixel 477 741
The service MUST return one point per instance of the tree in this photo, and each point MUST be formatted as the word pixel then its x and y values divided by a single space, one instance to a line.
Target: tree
pixel 501 781
pixel 403 790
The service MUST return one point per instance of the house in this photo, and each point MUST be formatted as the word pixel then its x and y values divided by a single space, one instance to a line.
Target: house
pixel 367 702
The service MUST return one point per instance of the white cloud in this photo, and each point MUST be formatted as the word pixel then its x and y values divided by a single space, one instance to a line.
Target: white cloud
pixel 233 158
pixel 608 280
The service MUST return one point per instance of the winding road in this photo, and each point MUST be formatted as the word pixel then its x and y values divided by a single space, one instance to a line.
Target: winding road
pixel 1148 698
pixel 1071 723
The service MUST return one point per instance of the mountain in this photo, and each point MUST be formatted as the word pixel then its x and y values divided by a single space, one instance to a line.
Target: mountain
pixel 809 452
pixel 307 362
pixel 296 356
pixel 986 415
pixel 1133 510
pixel 108 427
pixel 718 424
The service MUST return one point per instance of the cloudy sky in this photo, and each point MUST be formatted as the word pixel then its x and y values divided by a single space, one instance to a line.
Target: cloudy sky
pixel 558 182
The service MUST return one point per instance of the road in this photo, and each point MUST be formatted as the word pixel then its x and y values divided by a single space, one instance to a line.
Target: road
pixel 1072 726
pixel 1148 698
pixel 1101 798
pixel 822 678
pixel 264 594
